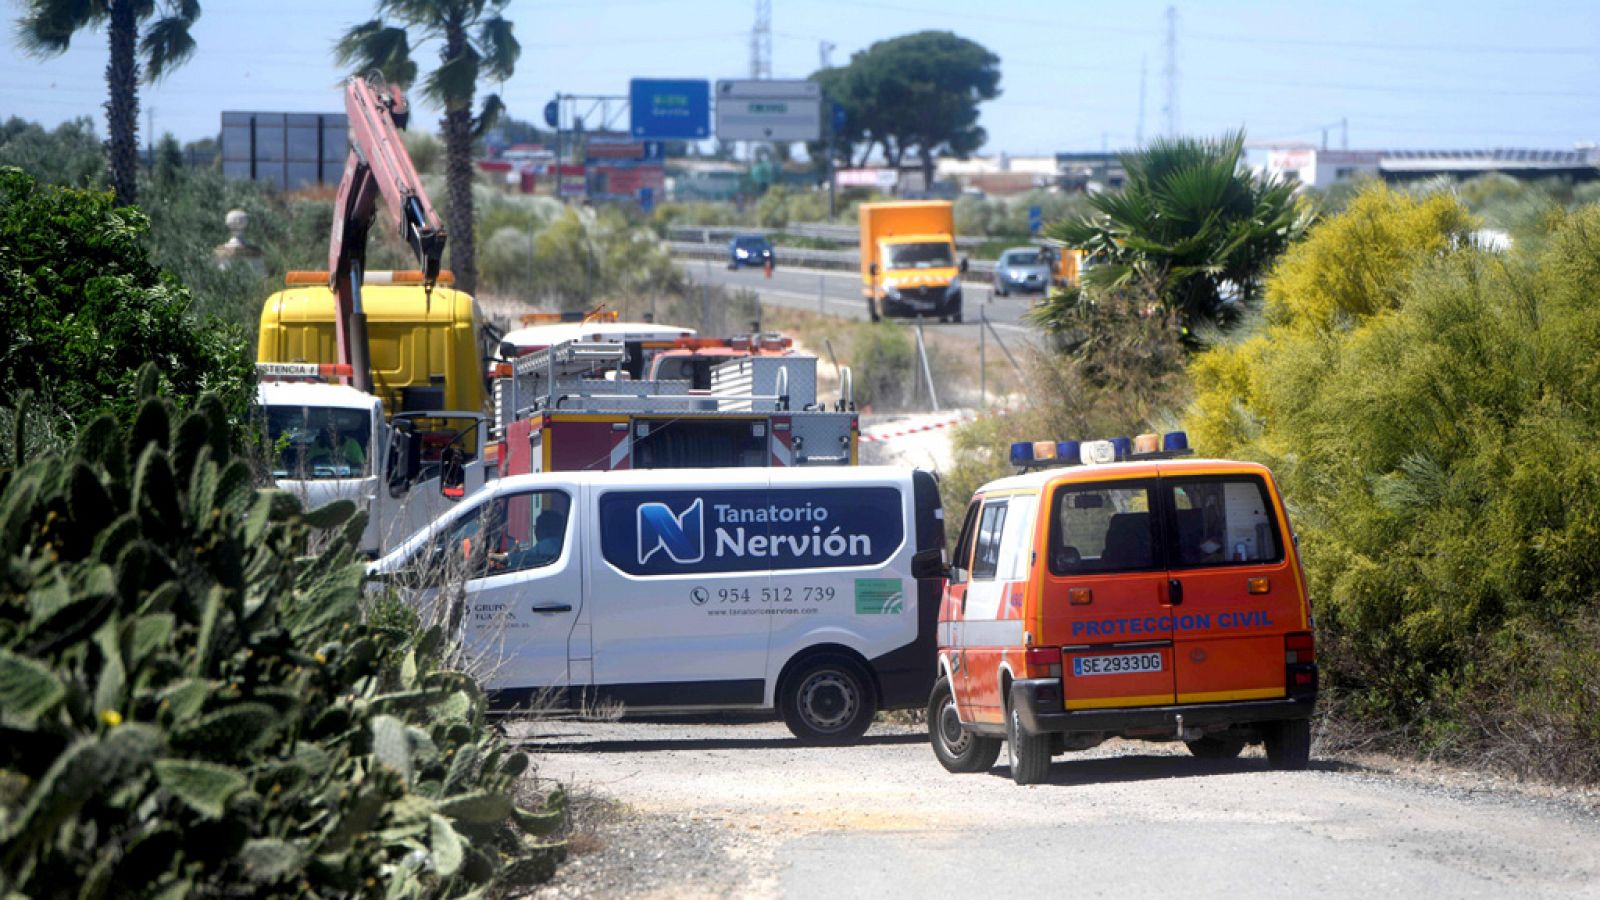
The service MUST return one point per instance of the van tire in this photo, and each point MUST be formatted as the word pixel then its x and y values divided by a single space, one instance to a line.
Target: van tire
pixel 1210 747
pixel 1028 754
pixel 962 755
pixel 1288 744
pixel 828 701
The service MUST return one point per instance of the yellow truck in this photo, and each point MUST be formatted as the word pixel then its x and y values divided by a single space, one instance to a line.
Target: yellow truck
pixel 424 349
pixel 909 266
pixel 414 445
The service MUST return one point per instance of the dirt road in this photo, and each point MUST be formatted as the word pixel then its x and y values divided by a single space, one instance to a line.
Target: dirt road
pixel 741 810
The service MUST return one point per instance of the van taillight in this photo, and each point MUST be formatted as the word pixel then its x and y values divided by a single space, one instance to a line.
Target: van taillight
pixel 1044 661
pixel 1299 647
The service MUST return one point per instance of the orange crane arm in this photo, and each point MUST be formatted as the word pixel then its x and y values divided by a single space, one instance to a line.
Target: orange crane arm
pixel 378 167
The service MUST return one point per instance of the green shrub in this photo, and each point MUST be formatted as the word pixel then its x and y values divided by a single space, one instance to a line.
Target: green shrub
pixel 85 307
pixel 70 155
pixel 882 357
pixel 1430 410
pixel 188 705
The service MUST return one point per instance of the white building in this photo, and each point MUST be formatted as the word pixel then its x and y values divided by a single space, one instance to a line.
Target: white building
pixel 1324 168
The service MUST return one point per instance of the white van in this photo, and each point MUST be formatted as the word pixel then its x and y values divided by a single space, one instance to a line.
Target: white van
pixel 812 592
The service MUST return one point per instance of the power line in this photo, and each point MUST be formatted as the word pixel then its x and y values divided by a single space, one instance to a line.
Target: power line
pixel 1391 45
pixel 1400 89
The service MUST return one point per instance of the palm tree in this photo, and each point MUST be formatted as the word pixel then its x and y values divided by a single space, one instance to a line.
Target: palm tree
pixel 475 39
pixel 1190 225
pixel 46 29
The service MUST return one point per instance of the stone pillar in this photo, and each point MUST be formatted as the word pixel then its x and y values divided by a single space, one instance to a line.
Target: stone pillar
pixel 236 252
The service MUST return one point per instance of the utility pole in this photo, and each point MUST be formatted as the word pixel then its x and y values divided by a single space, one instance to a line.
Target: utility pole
pixel 1138 131
pixel 1344 133
pixel 761 41
pixel 1170 73
pixel 832 151
pixel 825 53
pixel 560 197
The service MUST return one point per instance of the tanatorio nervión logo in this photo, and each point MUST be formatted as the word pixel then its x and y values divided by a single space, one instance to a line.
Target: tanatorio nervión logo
pixel 664 532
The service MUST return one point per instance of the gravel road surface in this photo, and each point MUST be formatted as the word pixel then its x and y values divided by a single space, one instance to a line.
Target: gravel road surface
pixel 739 809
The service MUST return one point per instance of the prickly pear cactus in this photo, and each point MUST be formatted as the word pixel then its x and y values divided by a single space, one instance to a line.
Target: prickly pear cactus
pixel 188 705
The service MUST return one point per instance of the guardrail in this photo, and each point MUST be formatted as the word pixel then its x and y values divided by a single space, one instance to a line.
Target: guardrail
pixel 844 260
pixel 822 231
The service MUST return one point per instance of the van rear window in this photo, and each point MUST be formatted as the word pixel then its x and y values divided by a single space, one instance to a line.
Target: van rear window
pixel 1102 528
pixel 1221 520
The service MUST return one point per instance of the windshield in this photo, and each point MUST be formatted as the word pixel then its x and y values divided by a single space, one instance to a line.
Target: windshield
pixel 932 255
pixel 1022 258
pixel 313 442
pixel 751 243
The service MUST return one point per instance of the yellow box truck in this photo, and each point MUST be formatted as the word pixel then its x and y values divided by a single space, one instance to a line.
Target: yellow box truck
pixel 909 266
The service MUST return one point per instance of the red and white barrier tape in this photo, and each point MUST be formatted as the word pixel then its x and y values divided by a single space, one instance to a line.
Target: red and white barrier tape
pixel 959 419
pixel 932 426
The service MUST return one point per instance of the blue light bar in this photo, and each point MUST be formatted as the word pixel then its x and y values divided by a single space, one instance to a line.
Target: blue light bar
pixel 1067 451
pixel 1174 440
pixel 1123 447
pixel 1021 453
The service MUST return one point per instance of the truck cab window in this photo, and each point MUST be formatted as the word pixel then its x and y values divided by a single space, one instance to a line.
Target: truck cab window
pixel 510 533
pixel 1098 528
pixel 986 555
pixel 930 255
pixel 313 442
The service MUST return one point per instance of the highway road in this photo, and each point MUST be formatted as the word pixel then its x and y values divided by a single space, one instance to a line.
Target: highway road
pixel 679 809
pixel 838 293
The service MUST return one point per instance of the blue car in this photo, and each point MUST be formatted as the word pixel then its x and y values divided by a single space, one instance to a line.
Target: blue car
pixel 750 250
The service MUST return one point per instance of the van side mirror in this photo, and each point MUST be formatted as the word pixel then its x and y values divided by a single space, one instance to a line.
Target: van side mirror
pixel 452 474
pixel 872 269
pixel 405 457
pixel 928 564
pixel 963 264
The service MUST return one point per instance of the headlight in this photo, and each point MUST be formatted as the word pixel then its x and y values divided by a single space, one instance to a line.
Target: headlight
pixel 741 253
pixel 891 291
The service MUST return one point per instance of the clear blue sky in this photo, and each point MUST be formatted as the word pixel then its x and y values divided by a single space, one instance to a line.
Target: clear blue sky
pixel 1405 73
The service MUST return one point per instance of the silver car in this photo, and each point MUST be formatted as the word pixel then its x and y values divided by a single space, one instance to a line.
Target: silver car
pixel 1021 269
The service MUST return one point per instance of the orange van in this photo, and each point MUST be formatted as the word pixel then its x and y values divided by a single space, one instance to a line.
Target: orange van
pixel 1116 589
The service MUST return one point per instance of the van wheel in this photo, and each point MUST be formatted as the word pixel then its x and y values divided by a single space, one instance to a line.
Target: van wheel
pixel 828 701
pixel 1215 747
pixel 957 749
pixel 1289 744
pixel 1029 755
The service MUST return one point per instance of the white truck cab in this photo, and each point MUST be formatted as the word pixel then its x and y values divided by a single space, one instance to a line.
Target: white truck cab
pixel 810 592
pixel 328 442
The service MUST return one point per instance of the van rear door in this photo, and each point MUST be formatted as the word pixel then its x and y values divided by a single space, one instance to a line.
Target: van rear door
pixel 1240 590
pixel 1105 595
